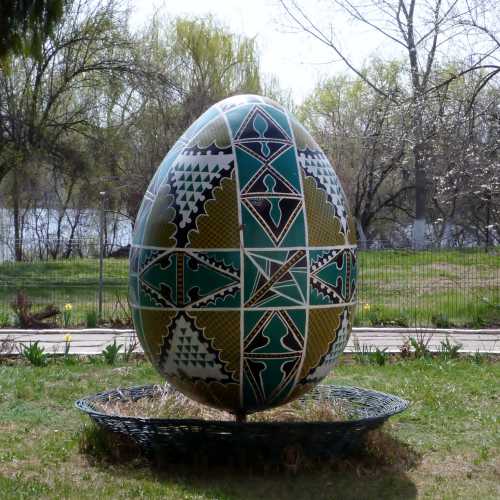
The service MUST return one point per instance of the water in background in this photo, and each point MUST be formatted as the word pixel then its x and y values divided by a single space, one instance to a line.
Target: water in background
pixel 40 239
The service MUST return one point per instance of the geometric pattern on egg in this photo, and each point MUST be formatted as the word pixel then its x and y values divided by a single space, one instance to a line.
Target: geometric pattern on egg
pixel 243 263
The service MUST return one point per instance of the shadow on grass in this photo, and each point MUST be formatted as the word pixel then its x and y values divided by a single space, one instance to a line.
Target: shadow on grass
pixel 376 468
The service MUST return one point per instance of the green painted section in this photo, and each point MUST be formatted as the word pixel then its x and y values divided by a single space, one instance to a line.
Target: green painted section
pixel 157 275
pixel 229 258
pixel 286 165
pixel 236 116
pixel 132 289
pixel 278 116
pixel 250 277
pixel 248 166
pixel 276 300
pixel 299 318
pixel 315 299
pixel 331 273
pixel 250 319
pixel 205 278
pixel 301 279
pixel 289 288
pixel 295 236
pixel 253 234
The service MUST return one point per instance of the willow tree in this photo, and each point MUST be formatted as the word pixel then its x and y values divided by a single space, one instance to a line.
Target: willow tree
pixel 186 65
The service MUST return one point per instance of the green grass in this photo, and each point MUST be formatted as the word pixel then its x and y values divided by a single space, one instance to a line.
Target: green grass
pixel 83 272
pixel 400 287
pixel 73 281
pixel 451 425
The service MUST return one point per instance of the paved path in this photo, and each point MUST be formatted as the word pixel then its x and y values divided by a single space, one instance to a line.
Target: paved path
pixel 93 341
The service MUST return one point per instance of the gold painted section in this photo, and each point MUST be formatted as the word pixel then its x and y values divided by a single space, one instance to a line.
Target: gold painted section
pixel 219 227
pixel 322 224
pixel 323 325
pixel 352 239
pixel 225 396
pixel 222 329
pixel 160 228
pixel 156 327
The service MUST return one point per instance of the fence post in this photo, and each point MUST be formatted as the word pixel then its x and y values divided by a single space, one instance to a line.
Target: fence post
pixel 102 221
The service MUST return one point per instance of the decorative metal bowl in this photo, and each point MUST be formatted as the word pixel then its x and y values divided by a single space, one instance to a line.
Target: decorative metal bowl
pixel 220 440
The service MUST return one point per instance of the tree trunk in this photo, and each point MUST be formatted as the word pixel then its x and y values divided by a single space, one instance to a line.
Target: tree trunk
pixel 419 150
pixel 18 242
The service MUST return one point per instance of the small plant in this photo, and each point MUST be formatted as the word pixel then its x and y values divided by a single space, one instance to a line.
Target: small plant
pixel 120 316
pixel 449 350
pixel 477 322
pixel 110 352
pixel 361 352
pixel 5 319
pixel 129 349
pixel 379 356
pixel 380 317
pixel 420 345
pixel 477 357
pixel 67 345
pixel 67 310
pixel 91 319
pixel 34 353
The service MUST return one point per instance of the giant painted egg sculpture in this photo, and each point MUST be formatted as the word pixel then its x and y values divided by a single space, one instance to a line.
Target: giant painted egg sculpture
pixel 243 265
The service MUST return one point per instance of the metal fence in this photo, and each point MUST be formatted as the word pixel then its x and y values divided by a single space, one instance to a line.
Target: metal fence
pixel 396 287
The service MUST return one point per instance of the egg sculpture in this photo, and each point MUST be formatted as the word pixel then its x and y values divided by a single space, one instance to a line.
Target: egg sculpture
pixel 243 263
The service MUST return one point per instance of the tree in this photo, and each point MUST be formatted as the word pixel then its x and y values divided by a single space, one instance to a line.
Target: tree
pixel 466 162
pixel 204 63
pixel 44 103
pixel 365 135
pixel 420 30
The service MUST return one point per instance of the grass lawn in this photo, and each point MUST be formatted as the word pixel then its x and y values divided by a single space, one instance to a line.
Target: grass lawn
pixel 451 427
pixel 395 287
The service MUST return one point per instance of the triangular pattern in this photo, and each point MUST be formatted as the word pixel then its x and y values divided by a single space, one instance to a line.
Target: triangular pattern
pixel 274 279
pixel 272 348
pixel 264 150
pixel 259 124
pixel 332 276
pixel 186 353
pixel 268 180
pixel 275 214
pixel 194 279
pixel 315 164
pixel 192 177
pixel 261 136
